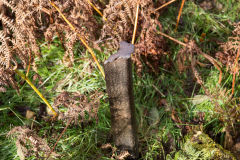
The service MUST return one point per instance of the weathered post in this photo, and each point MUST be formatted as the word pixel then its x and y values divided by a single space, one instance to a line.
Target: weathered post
pixel 118 71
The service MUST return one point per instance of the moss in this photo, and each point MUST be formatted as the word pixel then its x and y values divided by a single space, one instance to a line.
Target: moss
pixel 200 146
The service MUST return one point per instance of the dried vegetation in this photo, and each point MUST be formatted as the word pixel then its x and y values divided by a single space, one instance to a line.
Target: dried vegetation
pixel 114 155
pixel 229 54
pixel 190 53
pixel 29 144
pixel 149 48
pixel 78 107
pixel 24 25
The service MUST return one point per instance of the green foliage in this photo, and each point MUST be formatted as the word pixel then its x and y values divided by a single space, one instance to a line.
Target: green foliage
pixel 200 146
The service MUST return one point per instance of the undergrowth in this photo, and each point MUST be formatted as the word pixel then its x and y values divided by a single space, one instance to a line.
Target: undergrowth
pixel 168 103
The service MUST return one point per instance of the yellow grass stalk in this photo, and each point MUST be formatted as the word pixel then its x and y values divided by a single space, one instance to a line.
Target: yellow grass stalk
pixel 173 39
pixel 36 90
pixel 79 36
pixel 96 9
pixel 179 14
pixel 164 5
pixel 135 24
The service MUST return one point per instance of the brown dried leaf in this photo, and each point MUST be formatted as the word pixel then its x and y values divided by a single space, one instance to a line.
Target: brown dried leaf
pixel 77 106
pixel 229 49
pixel 28 143
pixel 121 15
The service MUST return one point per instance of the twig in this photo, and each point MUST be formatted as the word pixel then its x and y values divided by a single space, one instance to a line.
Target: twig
pixel 96 9
pixel 164 5
pixel 33 122
pixel 235 70
pixel 201 64
pixel 214 62
pixel 173 39
pixel 29 65
pixel 155 87
pixel 36 90
pixel 64 130
pixel 135 24
pixel 16 115
pixel 79 36
pixel 179 14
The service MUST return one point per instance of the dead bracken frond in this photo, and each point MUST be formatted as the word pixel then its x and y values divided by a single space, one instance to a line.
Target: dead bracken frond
pixel 150 47
pixel 229 50
pixel 121 15
pixel 189 54
pixel 120 156
pixel 229 56
pixel 80 17
pixel 80 36
pixel 77 106
pixel 24 24
pixel 29 144
pixel 7 80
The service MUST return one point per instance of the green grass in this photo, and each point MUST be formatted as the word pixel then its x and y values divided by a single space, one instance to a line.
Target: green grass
pixel 84 77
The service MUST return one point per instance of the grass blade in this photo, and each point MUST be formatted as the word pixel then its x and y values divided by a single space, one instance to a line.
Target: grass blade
pixel 36 90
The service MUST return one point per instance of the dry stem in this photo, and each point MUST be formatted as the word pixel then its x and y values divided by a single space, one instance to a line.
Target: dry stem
pixel 135 24
pixel 164 5
pixel 212 60
pixel 96 9
pixel 235 70
pixel 173 39
pixel 29 65
pixel 36 90
pixel 64 130
pixel 179 14
pixel 79 36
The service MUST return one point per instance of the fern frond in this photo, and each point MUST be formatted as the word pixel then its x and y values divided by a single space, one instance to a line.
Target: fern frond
pixel 4 51
pixel 71 38
pixel 2 36
pixel 22 17
pixel 10 24
pixel 10 5
pixel 128 10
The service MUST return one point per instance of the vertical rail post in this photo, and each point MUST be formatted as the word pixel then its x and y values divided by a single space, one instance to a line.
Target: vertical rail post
pixel 118 71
